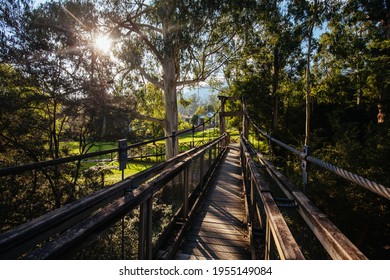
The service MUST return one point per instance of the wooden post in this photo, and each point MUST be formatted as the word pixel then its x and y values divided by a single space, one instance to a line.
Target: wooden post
pixel 145 230
pixel 245 123
pixel 222 124
pixel 193 134
pixel 267 253
pixel 122 154
pixel 201 171
pixel 185 198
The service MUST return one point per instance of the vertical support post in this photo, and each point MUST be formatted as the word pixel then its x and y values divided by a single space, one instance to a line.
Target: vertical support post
pixel 267 253
pixel 122 158
pixel 245 122
pixel 122 155
pixel 252 198
pixel 123 239
pixel 156 151
pixel 203 131
pixel 185 198
pixel 149 229
pixel 145 230
pixel 173 141
pixel 193 135
pixel 304 165
pixel 216 150
pixel 222 125
pixel 201 165
pixel 141 232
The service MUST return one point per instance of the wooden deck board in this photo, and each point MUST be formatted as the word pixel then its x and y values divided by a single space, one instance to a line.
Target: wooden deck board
pixel 219 229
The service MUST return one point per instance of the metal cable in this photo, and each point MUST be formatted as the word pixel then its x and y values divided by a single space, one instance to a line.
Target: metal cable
pixel 361 181
pixel 364 182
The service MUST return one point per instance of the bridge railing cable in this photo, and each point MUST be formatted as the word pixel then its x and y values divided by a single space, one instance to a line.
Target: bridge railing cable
pixel 352 177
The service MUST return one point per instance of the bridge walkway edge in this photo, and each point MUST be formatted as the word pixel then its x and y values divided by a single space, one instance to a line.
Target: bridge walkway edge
pixel 218 230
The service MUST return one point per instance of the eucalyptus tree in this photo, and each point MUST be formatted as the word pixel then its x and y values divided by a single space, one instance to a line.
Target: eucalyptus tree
pixel 172 44
pixel 311 15
pixel 369 22
pixel 52 96
pixel 271 56
pixel 355 50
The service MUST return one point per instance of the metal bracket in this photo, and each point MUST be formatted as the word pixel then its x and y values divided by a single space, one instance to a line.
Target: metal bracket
pixel 304 165
pixel 122 154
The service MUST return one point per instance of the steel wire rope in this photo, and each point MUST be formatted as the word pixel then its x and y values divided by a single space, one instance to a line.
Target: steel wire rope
pixel 352 177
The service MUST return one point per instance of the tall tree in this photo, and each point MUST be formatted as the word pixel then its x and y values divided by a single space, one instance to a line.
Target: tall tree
pixel 310 15
pixel 271 52
pixel 173 44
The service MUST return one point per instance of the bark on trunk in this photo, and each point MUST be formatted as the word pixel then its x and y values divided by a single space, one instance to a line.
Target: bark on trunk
pixel 308 89
pixel 171 110
pixel 275 85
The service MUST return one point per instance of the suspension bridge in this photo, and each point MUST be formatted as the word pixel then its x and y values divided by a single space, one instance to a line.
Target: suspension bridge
pixel 219 201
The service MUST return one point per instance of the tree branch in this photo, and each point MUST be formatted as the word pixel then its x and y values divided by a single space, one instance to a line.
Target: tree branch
pixel 144 38
pixel 148 118
pixel 150 79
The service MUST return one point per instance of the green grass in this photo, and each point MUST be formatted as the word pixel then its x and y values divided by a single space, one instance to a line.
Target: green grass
pixel 73 147
pixel 134 166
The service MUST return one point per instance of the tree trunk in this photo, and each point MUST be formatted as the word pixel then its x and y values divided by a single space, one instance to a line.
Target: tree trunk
pixel 275 85
pixel 170 62
pixel 170 106
pixel 312 22
pixel 308 88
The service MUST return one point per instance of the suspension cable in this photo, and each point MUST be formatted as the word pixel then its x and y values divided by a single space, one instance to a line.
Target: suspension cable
pixel 357 179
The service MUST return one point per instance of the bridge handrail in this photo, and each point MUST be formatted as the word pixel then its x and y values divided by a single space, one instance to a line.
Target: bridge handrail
pixel 352 177
pixel 275 224
pixel 333 240
pixel 21 239
pixel 12 170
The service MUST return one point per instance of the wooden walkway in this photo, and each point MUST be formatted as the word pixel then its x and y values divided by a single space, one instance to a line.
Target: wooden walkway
pixel 218 231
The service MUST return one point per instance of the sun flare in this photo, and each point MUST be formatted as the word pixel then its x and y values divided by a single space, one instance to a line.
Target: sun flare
pixel 103 43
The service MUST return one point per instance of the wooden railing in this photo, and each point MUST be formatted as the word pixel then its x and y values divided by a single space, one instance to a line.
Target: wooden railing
pixel 62 232
pixel 263 207
pixel 264 211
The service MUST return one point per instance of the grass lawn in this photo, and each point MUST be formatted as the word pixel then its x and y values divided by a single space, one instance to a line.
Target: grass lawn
pixel 132 168
pixel 135 166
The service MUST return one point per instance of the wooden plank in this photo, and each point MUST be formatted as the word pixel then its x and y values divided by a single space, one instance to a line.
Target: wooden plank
pixel 210 228
pixel 228 236
pixel 214 215
pixel 191 257
pixel 219 231
pixel 231 189
pixel 238 242
pixel 284 240
pixel 232 212
pixel 224 204
pixel 190 246
pixel 217 255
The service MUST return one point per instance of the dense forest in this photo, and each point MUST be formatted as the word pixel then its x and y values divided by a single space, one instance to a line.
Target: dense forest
pixel 313 72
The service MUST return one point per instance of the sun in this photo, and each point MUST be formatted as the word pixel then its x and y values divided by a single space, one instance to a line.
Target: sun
pixel 103 43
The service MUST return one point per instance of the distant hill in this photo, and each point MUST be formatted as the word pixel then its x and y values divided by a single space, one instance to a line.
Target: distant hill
pixel 204 93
